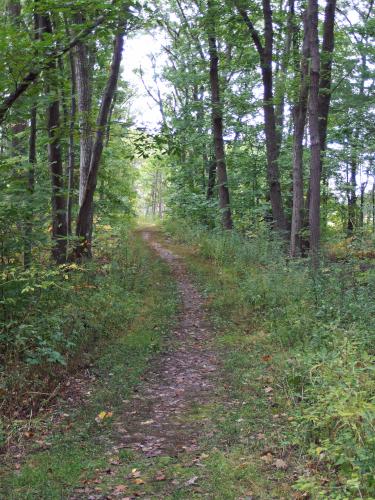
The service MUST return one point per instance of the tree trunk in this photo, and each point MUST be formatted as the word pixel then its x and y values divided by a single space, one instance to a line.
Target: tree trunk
pixel 71 155
pixel 84 101
pixel 58 203
pixel 324 100
pixel 352 196
pixel 217 127
pixel 270 129
pixel 27 257
pixel 211 179
pixel 18 126
pixel 299 116
pixel 282 74
pixel 315 174
pixel 362 206
pixel 7 103
pixel 84 219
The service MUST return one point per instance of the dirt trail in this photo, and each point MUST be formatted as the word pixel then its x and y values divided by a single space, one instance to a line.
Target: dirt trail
pixel 154 420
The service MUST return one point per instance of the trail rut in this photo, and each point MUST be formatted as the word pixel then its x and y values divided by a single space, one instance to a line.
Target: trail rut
pixel 154 420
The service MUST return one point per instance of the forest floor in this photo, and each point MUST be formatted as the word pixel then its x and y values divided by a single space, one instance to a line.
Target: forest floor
pixel 204 418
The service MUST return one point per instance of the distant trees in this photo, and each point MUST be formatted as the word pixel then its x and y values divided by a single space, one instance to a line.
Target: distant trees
pixel 269 49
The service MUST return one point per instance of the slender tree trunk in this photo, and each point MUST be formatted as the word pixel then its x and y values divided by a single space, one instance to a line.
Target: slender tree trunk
pixel 211 178
pixel 270 128
pixel 325 81
pixel 352 196
pixel 19 125
pixel 282 74
pixel 30 187
pixel 362 202
pixel 71 155
pixel 217 127
pixel 84 101
pixel 299 116
pixel 315 149
pixel 9 101
pixel 84 219
pixel 324 99
pixel 58 203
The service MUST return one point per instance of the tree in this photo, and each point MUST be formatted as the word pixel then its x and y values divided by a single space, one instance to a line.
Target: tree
pixel 299 119
pixel 315 145
pixel 217 123
pixel 265 53
pixel 84 218
pixel 58 203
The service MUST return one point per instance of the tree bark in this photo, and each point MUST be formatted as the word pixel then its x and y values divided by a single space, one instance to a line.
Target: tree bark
pixel 217 126
pixel 315 147
pixel 324 99
pixel 84 101
pixel 58 203
pixel 362 203
pixel 14 11
pixel 325 81
pixel 352 195
pixel 27 257
pixel 299 117
pixel 270 128
pixel 71 155
pixel 211 178
pixel 282 74
pixel 84 219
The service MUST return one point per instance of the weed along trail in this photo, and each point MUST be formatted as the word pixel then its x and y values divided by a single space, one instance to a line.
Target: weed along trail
pixel 155 419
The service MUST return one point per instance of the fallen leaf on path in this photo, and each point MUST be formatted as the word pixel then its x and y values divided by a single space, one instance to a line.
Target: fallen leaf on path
pixel 267 458
pixel 120 488
pixel 268 389
pixel 192 481
pixel 103 415
pixel 147 422
pixel 160 477
pixel 135 473
pixel 280 464
pixel 138 481
pixel 266 358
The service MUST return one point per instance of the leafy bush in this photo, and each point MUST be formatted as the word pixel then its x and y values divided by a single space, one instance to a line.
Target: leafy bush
pixel 53 319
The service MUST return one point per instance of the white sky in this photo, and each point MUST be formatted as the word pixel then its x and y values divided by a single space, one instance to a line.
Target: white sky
pixel 136 54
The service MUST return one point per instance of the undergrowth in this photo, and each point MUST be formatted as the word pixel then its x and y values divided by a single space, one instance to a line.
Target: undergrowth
pixel 113 315
pixel 320 327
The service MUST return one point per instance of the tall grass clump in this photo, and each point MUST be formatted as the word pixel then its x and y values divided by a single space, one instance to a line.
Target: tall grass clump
pixel 324 324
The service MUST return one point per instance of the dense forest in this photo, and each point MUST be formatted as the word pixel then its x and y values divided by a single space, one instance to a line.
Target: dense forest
pixel 224 254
